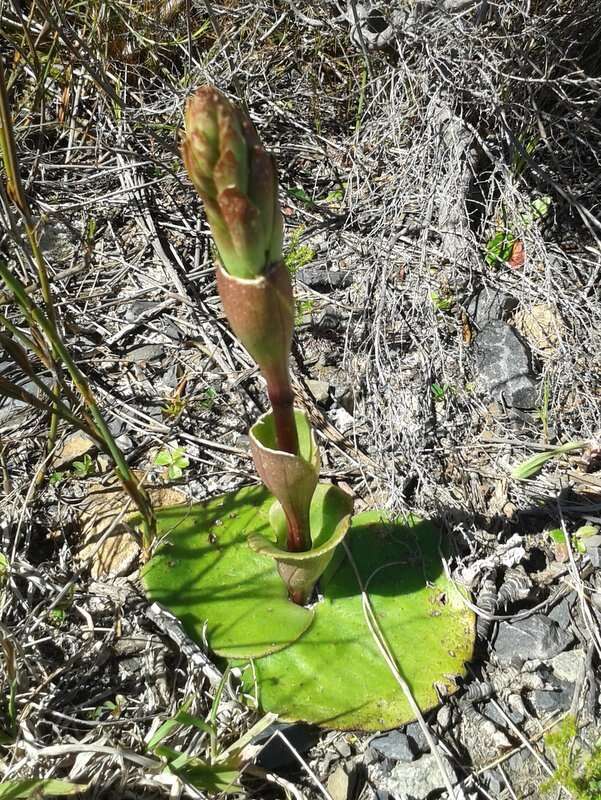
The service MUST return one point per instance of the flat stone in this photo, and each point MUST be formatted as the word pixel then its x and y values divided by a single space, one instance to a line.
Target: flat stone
pixel 548 701
pixel 328 321
pixel 415 781
pixel 542 326
pixel 489 305
pixel 569 665
pixel 276 754
pixel 562 613
pixel 117 555
pixel 417 738
pixel 503 365
pixel 340 784
pixel 395 745
pixel 491 712
pixel 145 353
pixel 324 279
pixel 320 390
pixel 75 446
pixel 536 637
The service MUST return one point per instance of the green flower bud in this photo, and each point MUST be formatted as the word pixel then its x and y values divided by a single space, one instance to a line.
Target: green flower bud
pixel 236 178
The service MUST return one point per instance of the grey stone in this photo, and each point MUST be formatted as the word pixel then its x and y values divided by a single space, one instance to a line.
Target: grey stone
pixel 569 665
pixel 494 782
pixel 320 390
pixel 138 308
pixel 557 698
pixel 328 321
pixel 503 365
pixel 489 305
pixel 416 780
pixel 562 612
pixel 345 397
pixel 324 279
pixel 417 737
pixel 146 353
pixel 13 412
pixel 535 637
pixel 593 549
pixel 276 754
pixel 342 782
pixel 491 712
pixel 395 745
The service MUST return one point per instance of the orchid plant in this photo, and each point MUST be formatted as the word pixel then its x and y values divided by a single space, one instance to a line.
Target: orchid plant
pixel 214 566
pixel 236 178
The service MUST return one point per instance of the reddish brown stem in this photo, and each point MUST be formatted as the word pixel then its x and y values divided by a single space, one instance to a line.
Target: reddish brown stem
pixel 282 404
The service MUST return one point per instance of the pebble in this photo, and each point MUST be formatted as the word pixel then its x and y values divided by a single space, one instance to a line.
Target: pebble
pixel 395 745
pixel 276 754
pixel 415 781
pixel 557 698
pixel 324 279
pixel 417 737
pixel 489 305
pixel 536 637
pixel 320 390
pixel 328 321
pixel 569 665
pixel 503 365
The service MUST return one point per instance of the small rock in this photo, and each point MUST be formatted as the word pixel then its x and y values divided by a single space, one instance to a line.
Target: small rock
pixel 116 556
pixel 340 784
pixel 395 745
pixel 494 783
pixel 569 665
pixel 138 308
pixel 491 712
pixel 320 391
pixel 489 305
pixel 542 326
pixel 417 737
pixel 557 698
pixel 562 613
pixel 536 637
pixel 75 446
pixel 276 754
pixel 593 549
pixel 503 365
pixel 324 279
pixel 343 748
pixel 327 321
pixel 416 780
pixel 341 419
pixel 345 397
pixel 145 353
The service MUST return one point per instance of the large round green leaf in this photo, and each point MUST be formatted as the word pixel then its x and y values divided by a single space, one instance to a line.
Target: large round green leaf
pixel 206 574
pixel 334 675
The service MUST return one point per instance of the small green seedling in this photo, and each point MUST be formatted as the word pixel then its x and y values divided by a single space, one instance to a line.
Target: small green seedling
pixel 174 407
pixel 174 460
pixel 84 467
pixel 440 391
pixel 56 478
pixel 532 466
pixel 499 248
pixel 576 770
pixel 208 397
pixel 36 788
pixel 442 302
pixel 220 771
pixel 298 255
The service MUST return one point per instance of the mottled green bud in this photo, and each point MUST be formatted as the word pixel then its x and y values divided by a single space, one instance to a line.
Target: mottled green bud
pixel 237 181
